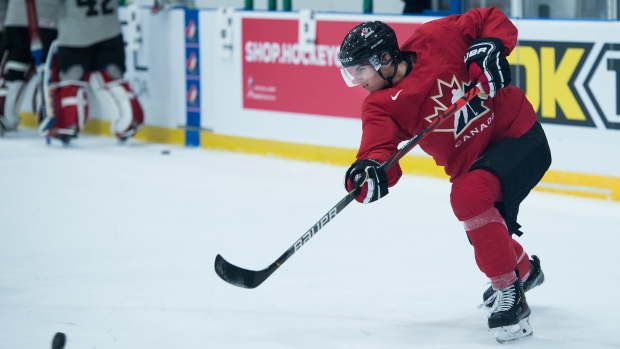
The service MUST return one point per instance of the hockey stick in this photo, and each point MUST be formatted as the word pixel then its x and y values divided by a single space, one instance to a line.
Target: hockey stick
pixel 44 113
pixel 250 278
pixel 36 47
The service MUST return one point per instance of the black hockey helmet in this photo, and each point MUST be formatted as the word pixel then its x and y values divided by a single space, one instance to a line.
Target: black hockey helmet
pixel 367 43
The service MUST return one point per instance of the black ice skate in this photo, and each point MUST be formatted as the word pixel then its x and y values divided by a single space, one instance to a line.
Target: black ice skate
pixel 510 315
pixel 536 278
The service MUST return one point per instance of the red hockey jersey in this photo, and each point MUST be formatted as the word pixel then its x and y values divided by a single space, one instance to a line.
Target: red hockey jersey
pixel 438 78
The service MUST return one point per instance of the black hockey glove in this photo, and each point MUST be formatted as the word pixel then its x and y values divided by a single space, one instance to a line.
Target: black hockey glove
pixel 370 179
pixel 487 64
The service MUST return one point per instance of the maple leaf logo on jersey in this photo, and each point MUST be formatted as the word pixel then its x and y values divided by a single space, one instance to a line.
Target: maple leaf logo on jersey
pixel 448 93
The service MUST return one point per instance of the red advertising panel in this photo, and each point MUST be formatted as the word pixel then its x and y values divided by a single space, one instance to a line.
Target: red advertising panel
pixel 278 76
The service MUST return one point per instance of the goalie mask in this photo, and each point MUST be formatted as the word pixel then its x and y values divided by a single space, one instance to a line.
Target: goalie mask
pixel 362 50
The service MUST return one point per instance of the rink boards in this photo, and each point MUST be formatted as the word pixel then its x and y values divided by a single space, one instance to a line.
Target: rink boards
pixel 252 81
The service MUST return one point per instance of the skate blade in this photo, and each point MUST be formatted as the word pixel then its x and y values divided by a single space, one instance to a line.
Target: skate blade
pixel 507 334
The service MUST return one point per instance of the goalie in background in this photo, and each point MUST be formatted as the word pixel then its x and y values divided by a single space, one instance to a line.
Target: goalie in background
pixel 493 149
pixel 18 65
pixel 89 52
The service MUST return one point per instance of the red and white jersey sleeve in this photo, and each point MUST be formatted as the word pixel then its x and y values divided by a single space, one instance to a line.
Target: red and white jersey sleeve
pixel 439 78
pixel 85 23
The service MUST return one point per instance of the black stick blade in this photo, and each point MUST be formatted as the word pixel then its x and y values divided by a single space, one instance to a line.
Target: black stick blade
pixel 238 276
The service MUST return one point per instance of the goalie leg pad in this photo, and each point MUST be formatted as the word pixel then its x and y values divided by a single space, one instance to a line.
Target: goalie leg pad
pixel 64 107
pixel 14 77
pixel 119 103
pixel 11 96
pixel 71 106
pixel 14 70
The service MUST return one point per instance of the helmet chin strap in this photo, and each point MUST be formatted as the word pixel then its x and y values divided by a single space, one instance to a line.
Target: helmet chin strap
pixel 396 62
pixel 389 79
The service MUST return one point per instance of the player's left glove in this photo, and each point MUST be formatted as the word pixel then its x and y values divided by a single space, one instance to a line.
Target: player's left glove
pixel 487 64
pixel 370 179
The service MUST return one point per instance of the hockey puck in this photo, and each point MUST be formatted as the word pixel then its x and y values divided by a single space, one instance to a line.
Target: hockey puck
pixel 59 341
pixel 165 152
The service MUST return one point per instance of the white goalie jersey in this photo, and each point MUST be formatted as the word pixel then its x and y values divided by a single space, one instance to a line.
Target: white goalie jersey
pixel 84 23
pixel 16 13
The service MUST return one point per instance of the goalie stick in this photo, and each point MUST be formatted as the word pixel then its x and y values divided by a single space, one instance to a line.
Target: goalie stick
pixel 246 278
pixel 42 102
pixel 36 47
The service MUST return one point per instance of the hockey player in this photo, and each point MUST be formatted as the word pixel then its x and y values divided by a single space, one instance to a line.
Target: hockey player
pixel 493 150
pixel 89 52
pixel 18 64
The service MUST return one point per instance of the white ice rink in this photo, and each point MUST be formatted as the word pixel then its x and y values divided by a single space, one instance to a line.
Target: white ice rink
pixel 114 246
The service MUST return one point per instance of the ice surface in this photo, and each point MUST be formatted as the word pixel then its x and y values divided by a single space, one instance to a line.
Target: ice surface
pixel 114 246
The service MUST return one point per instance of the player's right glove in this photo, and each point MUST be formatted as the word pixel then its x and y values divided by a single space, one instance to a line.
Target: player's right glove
pixel 370 179
pixel 487 64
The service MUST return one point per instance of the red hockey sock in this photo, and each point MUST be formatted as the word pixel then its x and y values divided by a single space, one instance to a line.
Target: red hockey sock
pixel 495 254
pixel 473 196
pixel 523 260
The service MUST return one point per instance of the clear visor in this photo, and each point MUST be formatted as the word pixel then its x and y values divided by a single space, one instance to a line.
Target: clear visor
pixel 357 74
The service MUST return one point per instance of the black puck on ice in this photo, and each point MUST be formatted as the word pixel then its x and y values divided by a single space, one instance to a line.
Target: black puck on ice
pixel 165 152
pixel 59 341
